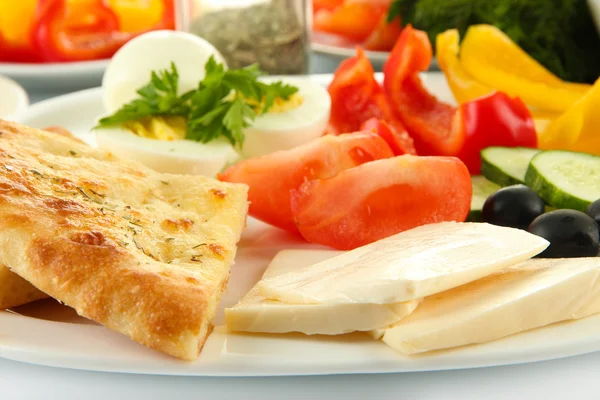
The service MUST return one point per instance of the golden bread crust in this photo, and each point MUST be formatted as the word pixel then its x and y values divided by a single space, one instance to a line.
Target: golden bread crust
pixel 143 253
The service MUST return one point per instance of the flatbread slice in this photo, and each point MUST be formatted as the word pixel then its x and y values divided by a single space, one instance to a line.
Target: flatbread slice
pixel 14 290
pixel 143 253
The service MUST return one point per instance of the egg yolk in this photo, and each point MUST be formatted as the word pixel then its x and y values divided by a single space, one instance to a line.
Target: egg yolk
pixel 159 128
pixel 174 128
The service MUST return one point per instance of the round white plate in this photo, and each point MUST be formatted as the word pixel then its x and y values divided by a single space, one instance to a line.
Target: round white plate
pixel 13 98
pixel 47 333
pixel 60 77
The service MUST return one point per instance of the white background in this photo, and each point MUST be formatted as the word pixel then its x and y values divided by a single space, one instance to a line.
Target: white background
pixel 572 378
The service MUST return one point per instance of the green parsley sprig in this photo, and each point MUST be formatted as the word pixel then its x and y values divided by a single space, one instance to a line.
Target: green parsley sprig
pixel 224 103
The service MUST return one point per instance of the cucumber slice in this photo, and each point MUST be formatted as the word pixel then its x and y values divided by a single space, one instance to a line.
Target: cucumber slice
pixel 506 165
pixel 565 179
pixel 482 189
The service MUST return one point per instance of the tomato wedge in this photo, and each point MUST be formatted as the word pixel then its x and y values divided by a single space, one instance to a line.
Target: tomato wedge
pixel 271 177
pixel 435 127
pixel 354 21
pixel 381 198
pixel 76 31
pixel 399 141
pixel 356 97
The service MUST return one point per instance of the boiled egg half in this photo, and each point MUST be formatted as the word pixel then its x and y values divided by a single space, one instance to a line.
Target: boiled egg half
pixel 289 123
pixel 158 142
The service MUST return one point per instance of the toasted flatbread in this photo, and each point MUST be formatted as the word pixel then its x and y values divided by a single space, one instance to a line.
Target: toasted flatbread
pixel 14 290
pixel 143 253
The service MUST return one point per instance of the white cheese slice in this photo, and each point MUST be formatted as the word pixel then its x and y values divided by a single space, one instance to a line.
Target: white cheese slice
pixel 529 295
pixel 407 266
pixel 256 314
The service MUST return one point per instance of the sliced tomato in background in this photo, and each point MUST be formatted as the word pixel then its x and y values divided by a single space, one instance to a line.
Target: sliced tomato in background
pixel 384 36
pixel 357 97
pixel 381 198
pixel 395 136
pixel 354 21
pixel 272 177
pixel 76 31
pixel 436 127
pixel 495 120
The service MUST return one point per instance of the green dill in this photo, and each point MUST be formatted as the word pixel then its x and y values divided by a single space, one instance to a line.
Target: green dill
pixel 136 223
pixel 560 34
pixel 72 153
pixel 97 194
pixel 199 245
pixel 196 258
pixel 80 190
pixel 164 182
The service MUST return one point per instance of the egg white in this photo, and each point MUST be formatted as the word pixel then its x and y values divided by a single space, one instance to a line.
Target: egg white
pixel 130 67
pixel 272 132
pixel 175 156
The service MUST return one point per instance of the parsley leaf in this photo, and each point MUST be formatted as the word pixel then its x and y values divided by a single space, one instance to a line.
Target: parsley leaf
pixel 158 97
pixel 224 103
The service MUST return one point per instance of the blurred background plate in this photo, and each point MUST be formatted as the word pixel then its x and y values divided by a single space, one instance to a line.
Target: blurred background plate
pixel 13 98
pixel 338 49
pixel 60 77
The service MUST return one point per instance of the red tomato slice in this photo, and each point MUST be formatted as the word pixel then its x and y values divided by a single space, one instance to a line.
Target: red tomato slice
pixel 384 36
pixel 77 31
pixel 395 135
pixel 495 120
pixel 436 127
pixel 381 198
pixel 354 21
pixel 356 97
pixel 271 177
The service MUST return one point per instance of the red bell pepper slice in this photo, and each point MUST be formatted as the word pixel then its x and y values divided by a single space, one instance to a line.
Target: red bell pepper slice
pixel 356 97
pixel 436 127
pixel 77 31
pixel 495 120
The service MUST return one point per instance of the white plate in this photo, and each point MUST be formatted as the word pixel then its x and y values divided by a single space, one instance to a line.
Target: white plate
pixel 49 334
pixel 60 77
pixel 13 98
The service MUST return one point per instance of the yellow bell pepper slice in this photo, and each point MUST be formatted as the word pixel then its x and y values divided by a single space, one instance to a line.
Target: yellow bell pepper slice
pixel 495 60
pixel 577 128
pixel 464 87
pixel 137 15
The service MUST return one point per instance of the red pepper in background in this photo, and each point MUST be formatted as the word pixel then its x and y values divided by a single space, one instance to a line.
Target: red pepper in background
pixel 495 120
pixel 354 21
pixel 85 30
pixel 20 54
pixel 356 97
pixel 384 36
pixel 435 127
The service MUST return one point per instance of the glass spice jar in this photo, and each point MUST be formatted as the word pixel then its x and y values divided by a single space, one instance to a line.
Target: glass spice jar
pixel 275 34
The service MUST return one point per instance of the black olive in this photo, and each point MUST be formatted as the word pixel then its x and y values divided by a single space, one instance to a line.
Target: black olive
pixel 571 233
pixel 514 206
pixel 593 211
